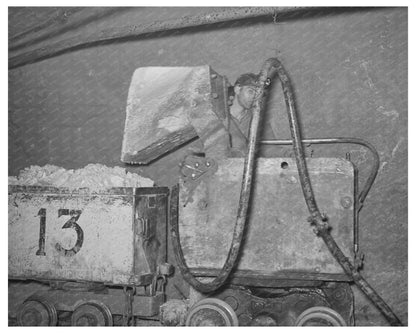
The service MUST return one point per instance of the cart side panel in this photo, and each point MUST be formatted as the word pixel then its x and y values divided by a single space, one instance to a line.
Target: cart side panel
pixel 87 236
pixel 278 237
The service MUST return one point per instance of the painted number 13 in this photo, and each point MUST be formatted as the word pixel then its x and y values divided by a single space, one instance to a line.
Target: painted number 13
pixel 71 223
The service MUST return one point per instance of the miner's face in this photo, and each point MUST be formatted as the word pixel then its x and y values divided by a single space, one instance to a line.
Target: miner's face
pixel 245 95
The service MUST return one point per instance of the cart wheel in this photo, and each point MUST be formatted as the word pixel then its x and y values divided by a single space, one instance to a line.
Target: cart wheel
pixel 92 314
pixel 211 312
pixel 320 316
pixel 37 312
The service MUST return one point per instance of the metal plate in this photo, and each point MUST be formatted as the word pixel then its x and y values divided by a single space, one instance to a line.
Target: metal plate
pixel 278 237
pixel 96 244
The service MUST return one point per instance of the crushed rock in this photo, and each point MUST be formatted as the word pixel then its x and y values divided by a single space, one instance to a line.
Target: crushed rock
pixel 93 176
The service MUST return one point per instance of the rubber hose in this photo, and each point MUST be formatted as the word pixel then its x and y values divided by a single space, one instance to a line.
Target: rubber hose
pixel 317 218
pixel 242 206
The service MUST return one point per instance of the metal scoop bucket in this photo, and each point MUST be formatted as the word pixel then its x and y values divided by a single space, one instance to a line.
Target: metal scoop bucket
pixel 170 106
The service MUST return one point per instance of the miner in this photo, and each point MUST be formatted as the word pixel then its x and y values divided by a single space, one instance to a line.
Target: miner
pixel 240 112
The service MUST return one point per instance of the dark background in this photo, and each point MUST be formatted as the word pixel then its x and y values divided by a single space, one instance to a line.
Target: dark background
pixel 348 67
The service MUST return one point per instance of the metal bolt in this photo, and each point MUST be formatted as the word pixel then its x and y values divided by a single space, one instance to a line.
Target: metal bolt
pixel 346 202
pixel 193 175
pixel 232 301
pixel 207 164
pixel 196 164
pixel 215 95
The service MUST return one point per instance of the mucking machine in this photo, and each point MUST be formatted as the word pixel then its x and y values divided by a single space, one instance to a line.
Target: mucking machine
pixel 247 235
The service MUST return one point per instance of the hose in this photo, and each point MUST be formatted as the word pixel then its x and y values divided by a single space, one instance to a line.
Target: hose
pixel 319 221
pixel 242 205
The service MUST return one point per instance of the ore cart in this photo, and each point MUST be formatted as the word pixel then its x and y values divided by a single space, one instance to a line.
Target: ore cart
pixel 101 255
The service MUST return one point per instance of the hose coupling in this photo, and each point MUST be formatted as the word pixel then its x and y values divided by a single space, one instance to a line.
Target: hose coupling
pixel 320 224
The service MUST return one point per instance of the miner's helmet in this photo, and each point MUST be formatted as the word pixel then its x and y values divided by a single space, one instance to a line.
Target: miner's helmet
pixel 247 79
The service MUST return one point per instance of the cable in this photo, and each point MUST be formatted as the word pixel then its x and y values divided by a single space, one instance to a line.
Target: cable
pixel 319 221
pixel 242 206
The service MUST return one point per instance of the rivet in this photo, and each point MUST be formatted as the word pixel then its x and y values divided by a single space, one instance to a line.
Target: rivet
pixel 346 202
